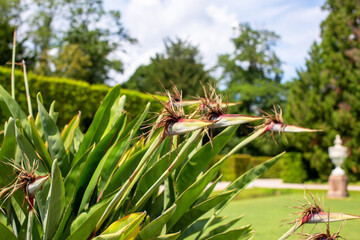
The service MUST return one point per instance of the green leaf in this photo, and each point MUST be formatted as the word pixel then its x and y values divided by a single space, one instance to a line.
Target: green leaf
pixel 72 178
pixel 84 224
pixel 197 211
pixel 54 115
pixel 113 159
pixel 123 228
pixel 137 122
pixel 68 133
pixel 222 228
pixel 7 151
pixel 199 225
pixel 55 202
pixel 83 190
pixel 40 146
pixel 103 120
pixel 172 236
pixel 12 109
pixel 194 166
pixel 208 191
pixel 155 227
pixel 235 234
pixel 28 151
pixel 189 196
pixel 124 171
pixel 53 138
pixel 6 233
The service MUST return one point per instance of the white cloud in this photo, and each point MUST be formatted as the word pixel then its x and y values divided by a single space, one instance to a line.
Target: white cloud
pixel 208 24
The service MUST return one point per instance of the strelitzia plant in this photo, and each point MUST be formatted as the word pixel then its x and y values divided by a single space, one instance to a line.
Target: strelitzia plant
pixel 107 183
pixel 313 213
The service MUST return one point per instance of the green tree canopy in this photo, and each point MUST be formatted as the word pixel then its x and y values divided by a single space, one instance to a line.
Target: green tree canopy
pixel 180 64
pixel 10 11
pixel 252 73
pixel 87 49
pixel 326 94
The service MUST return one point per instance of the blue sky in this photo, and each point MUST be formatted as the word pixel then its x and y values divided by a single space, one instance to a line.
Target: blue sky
pixel 209 25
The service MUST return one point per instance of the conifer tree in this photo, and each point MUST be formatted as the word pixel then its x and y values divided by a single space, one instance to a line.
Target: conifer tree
pixel 326 94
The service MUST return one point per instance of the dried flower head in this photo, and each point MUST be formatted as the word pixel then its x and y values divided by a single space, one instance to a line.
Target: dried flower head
pixel 25 180
pixel 275 123
pixel 174 120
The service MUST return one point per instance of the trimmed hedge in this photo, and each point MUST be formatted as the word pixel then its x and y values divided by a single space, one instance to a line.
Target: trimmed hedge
pixel 289 168
pixel 71 96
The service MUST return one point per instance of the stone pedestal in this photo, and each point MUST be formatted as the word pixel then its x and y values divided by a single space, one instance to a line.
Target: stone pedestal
pixel 338 186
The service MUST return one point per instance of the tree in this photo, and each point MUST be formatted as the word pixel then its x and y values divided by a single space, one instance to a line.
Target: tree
pixel 98 43
pixel 10 11
pixel 251 73
pixel 42 32
pixel 180 64
pixel 326 94
pixel 87 49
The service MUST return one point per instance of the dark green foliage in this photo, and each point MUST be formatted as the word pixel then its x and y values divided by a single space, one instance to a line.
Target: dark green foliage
pixel 71 96
pixel 252 71
pixel 326 93
pixel 293 168
pixel 10 11
pixel 180 64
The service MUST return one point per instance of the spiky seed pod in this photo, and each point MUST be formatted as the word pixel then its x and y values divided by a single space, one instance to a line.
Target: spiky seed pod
pixel 175 122
pixel 25 180
pixel 215 112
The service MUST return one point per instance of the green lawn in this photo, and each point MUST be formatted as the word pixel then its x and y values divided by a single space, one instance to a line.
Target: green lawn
pixel 266 214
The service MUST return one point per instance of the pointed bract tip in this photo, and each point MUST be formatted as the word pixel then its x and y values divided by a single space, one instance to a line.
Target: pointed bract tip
pixel 36 185
pixel 277 127
pixel 187 125
pixel 226 120
pixel 324 217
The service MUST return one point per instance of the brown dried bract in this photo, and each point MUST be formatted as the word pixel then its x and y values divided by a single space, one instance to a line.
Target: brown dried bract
pixel 22 180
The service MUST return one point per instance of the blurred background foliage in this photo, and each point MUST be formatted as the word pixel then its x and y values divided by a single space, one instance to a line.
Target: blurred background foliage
pixel 324 95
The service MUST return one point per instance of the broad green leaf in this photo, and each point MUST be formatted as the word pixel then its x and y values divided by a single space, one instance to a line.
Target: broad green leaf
pixel 55 202
pixel 189 196
pixel 155 227
pixel 235 234
pixel 197 211
pixel 171 236
pixel 7 152
pixel 68 133
pixel 135 124
pixel 114 158
pixel 6 233
pixel 124 171
pixel 208 191
pixel 123 222
pixel 222 228
pixel 92 163
pixel 29 229
pixel 72 178
pixel 29 152
pixel 54 115
pixel 123 228
pixel 53 138
pixel 12 109
pixel 84 224
pixel 156 170
pixel 101 122
pixel 199 225
pixel 194 166
pixel 40 146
